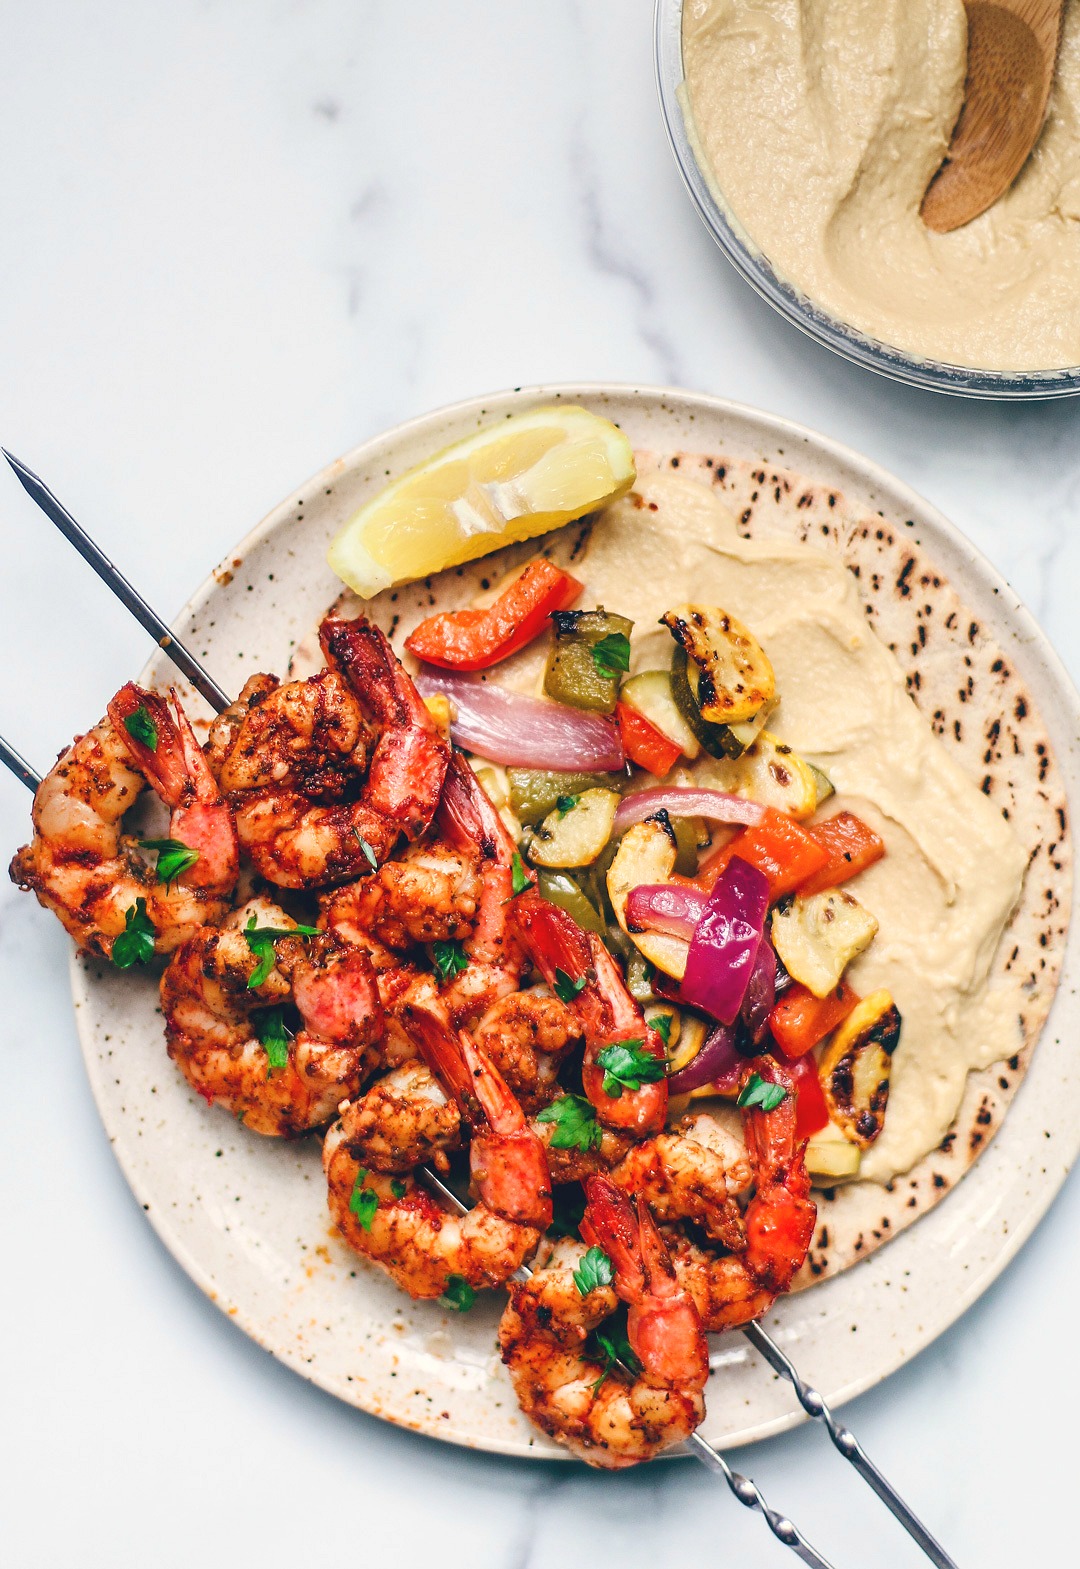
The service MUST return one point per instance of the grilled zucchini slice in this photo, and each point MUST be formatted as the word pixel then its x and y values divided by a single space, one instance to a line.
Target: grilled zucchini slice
pixel 734 677
pixel 817 937
pixel 575 836
pixel 646 855
pixel 769 772
pixel 856 1067
pixel 830 1153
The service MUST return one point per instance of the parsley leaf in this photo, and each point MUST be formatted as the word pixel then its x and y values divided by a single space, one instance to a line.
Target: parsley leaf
pixel 566 988
pixel 458 1295
pixel 369 854
pixel 135 944
pixel 576 1127
pixel 627 1066
pixel 269 1025
pixel 261 939
pixel 595 1269
pixel 450 959
pixel 661 1023
pixel 140 727
pixel 398 1188
pixel 566 803
pixel 363 1201
pixel 174 857
pixel 611 655
pixel 759 1092
pixel 615 1348
pixel 519 877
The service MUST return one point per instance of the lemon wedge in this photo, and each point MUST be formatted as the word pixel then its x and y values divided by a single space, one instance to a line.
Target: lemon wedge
pixel 530 473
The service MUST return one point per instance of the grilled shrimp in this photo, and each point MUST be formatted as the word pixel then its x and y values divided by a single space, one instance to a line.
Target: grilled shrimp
pixel 81 866
pixel 506 1158
pixel 312 742
pixel 778 1223
pixel 467 820
pixel 692 1173
pixel 404 1120
pixel 278 1049
pixel 526 1035
pixel 606 1415
pixel 404 1229
pixel 607 1013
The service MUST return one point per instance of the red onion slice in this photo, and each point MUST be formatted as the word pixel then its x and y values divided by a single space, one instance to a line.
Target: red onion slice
pixel 665 907
pixel 718 1062
pixel 522 731
pixel 717 805
pixel 760 992
pixel 726 940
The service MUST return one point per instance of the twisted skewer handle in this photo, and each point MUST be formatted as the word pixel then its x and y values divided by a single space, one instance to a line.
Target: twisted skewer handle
pixel 845 1441
pixel 38 491
pixel 743 1488
pixel 749 1495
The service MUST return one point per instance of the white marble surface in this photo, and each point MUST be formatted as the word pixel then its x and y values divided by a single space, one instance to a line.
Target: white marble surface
pixel 237 236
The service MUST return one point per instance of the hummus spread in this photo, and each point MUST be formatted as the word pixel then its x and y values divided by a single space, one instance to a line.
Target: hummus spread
pixel 952 873
pixel 820 123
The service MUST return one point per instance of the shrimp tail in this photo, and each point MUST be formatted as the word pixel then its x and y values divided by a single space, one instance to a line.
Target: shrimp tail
pixel 409 764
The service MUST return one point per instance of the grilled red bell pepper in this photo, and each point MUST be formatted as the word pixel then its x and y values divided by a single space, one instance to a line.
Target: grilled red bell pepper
pixel 778 846
pixel 799 1020
pixel 644 744
pixel 811 1112
pixel 475 639
pixel 852 846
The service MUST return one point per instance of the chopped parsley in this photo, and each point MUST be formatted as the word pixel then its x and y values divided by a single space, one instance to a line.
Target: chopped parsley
pixel 611 655
pixel 576 1127
pixel 458 1295
pixel 174 858
pixel 595 1269
pixel 566 988
pixel 519 877
pixel 363 1201
pixel 661 1023
pixel 140 727
pixel 261 939
pixel 450 959
pixel 269 1025
pixel 627 1066
pixel 614 1349
pixel 759 1092
pixel 135 944
pixel 398 1188
pixel 566 803
pixel 369 854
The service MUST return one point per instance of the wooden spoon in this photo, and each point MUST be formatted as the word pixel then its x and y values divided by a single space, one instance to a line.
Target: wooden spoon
pixel 1012 47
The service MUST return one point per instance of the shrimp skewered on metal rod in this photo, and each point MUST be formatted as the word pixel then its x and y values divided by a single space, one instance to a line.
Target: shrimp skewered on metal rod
pixel 742 1487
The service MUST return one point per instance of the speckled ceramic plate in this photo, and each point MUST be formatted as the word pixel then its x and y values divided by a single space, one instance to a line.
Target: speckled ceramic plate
pixel 246 1217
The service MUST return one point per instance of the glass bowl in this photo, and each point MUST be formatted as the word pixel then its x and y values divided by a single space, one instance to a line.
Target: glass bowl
pixel 960 380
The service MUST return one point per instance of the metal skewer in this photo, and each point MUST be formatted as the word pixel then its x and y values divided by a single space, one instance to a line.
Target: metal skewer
pixel 810 1400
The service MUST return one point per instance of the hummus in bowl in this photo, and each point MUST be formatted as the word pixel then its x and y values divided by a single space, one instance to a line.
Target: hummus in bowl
pixel 807 135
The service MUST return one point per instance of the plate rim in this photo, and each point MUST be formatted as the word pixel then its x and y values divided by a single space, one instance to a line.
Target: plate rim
pixel 1068 713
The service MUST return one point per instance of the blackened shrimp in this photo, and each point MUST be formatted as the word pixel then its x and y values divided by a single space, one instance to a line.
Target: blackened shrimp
pixel 778 1224
pixel 81 865
pixel 526 1035
pixel 692 1173
pixel 275 1026
pixel 403 1120
pixel 565 1380
pixel 402 1227
pixel 308 814
pixel 636 1102
pixel 506 1158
